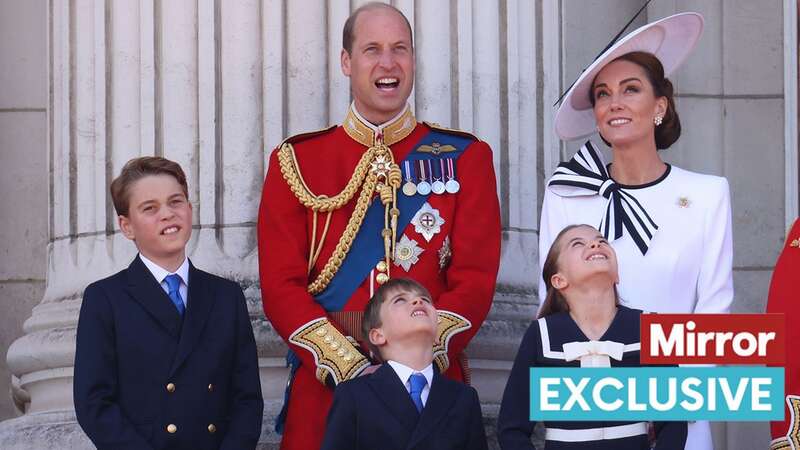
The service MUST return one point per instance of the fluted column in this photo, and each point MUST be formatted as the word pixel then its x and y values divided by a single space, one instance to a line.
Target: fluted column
pixel 214 85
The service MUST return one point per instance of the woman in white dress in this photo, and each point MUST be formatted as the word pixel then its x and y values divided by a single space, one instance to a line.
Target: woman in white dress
pixel 671 228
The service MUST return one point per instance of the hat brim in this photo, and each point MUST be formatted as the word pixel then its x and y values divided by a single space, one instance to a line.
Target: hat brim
pixel 671 40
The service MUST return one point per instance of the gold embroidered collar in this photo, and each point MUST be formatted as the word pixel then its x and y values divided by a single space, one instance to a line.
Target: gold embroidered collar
pixel 391 132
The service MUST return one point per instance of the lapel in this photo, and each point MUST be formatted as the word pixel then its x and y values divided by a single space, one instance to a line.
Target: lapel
pixel 390 390
pixel 198 307
pixel 440 399
pixel 144 288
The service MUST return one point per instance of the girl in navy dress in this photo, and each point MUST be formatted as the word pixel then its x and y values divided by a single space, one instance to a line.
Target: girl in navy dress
pixel 581 323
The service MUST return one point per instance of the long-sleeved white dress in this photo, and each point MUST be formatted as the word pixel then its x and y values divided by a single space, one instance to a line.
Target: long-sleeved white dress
pixel 688 265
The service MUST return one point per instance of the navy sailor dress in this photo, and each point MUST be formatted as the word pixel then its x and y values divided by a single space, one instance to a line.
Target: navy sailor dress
pixel 543 346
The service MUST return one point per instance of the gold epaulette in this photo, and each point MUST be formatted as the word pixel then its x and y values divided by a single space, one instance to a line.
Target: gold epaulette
pixel 303 136
pixel 450 324
pixel 334 353
pixel 438 127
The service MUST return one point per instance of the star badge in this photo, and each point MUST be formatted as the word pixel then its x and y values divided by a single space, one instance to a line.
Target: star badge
pixel 406 253
pixel 427 221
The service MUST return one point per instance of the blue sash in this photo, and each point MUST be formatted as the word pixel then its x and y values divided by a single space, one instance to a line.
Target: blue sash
pixel 367 248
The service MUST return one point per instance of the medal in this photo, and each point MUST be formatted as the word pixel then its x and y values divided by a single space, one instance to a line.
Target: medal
pixel 409 188
pixel 427 221
pixel 438 186
pixel 423 188
pixel 445 253
pixel 406 253
pixel 452 186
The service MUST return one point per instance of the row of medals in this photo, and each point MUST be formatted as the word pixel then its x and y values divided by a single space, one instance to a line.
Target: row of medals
pixel 410 188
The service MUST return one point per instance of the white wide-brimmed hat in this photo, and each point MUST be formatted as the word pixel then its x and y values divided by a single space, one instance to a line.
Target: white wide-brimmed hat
pixel 671 40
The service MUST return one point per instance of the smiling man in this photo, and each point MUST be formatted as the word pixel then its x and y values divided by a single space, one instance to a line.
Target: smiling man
pixel 382 196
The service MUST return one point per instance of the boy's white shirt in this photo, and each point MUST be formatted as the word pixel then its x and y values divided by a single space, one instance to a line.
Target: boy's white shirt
pixel 159 273
pixel 405 372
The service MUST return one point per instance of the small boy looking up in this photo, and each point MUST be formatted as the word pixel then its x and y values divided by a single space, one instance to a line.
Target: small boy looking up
pixel 405 403
pixel 165 353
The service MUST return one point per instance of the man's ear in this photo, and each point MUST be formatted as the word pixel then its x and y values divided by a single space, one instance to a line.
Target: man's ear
pixel 559 281
pixel 126 228
pixel 376 337
pixel 344 59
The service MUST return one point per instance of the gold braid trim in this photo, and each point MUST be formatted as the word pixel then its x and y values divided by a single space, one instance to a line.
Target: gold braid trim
pixel 291 173
pixel 383 168
pixel 450 324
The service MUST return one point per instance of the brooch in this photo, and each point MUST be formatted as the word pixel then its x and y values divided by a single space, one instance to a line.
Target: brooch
pixel 684 202
pixel 406 253
pixel 427 221
pixel 445 253
pixel 795 243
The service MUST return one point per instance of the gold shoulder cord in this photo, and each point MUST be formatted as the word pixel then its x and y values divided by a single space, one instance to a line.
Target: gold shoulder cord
pixel 375 172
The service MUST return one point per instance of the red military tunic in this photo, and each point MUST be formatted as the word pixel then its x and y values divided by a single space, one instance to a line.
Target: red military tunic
pixel 458 265
pixel 783 298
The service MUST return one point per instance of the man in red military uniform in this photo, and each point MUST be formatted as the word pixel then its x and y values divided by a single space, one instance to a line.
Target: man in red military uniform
pixel 783 298
pixel 380 196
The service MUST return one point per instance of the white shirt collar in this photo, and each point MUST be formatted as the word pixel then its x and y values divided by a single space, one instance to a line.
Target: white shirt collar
pixel 160 273
pixel 405 372
pixel 377 128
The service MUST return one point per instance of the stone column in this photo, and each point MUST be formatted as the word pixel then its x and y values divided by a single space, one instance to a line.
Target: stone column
pixel 215 85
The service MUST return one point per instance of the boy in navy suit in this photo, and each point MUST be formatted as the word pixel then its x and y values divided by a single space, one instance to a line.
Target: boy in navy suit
pixel 405 403
pixel 165 355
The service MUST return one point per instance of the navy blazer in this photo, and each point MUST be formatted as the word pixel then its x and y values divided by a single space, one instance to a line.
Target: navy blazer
pixel 145 378
pixel 376 412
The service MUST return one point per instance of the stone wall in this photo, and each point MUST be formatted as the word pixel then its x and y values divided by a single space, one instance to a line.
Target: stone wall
pixel 88 84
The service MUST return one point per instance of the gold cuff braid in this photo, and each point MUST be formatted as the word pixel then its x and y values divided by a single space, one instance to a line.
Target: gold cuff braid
pixel 334 353
pixel 450 324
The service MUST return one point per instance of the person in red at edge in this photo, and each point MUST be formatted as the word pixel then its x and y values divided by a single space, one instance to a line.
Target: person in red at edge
pixel 346 208
pixel 783 299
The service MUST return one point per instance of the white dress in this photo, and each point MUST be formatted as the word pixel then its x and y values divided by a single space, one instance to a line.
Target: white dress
pixel 688 267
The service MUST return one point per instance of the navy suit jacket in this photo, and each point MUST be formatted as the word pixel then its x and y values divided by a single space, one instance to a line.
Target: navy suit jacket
pixel 145 378
pixel 376 412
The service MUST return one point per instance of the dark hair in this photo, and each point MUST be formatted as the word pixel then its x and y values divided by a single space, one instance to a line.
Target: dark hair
pixel 138 168
pixel 554 301
pixel 350 24
pixel 372 312
pixel 670 129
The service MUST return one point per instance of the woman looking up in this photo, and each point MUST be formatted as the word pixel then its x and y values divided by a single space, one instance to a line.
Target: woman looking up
pixel 671 228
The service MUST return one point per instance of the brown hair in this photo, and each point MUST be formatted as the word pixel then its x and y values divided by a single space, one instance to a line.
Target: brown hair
pixel 349 26
pixel 670 129
pixel 372 312
pixel 554 301
pixel 138 168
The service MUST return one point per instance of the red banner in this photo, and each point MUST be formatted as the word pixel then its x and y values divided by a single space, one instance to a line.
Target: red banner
pixel 713 339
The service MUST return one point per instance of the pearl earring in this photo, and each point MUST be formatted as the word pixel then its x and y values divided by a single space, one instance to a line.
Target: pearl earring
pixel 658 120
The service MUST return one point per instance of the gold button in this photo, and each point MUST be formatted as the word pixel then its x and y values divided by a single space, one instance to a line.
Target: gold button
pixel 212 428
pixel 210 387
pixel 381 267
pixel 382 278
pixel 171 388
pixel 171 428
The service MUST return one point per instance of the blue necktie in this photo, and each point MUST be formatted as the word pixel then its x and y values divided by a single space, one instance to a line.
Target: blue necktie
pixel 174 283
pixel 417 382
